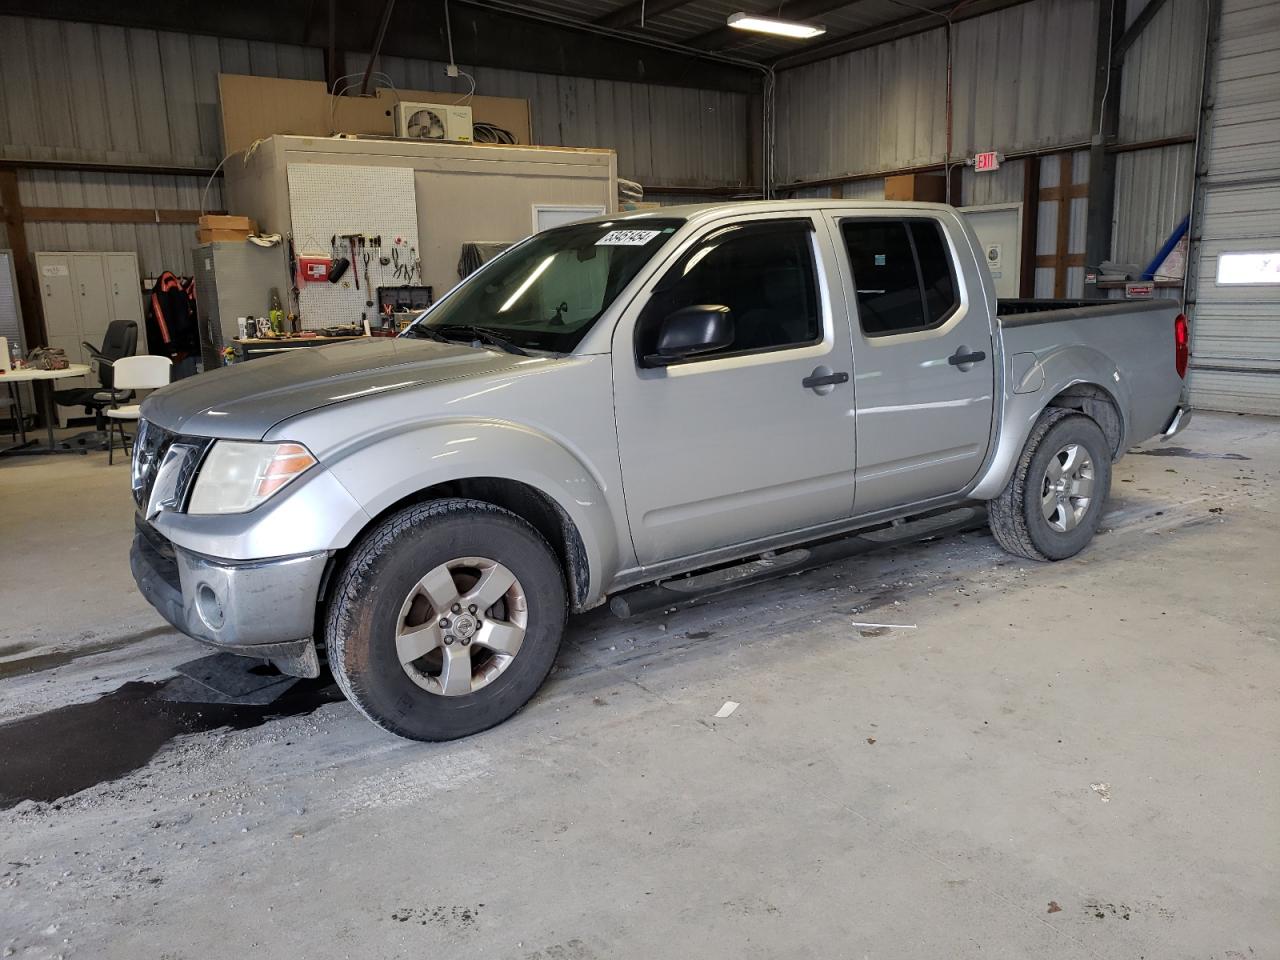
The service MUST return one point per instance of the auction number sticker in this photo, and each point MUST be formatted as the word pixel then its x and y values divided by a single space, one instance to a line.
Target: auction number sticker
pixel 627 238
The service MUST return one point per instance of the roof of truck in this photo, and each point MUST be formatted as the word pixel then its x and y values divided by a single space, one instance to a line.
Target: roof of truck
pixel 703 211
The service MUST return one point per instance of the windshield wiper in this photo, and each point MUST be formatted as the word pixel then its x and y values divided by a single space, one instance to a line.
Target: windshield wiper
pixel 421 330
pixel 484 335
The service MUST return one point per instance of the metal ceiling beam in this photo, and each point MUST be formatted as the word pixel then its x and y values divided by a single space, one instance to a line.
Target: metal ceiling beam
pixel 1104 131
pixel 721 37
pixel 1135 29
pixel 482 37
pixel 895 30
pixel 387 8
pixel 633 13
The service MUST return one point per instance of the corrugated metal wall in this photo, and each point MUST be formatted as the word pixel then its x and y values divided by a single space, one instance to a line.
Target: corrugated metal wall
pixel 669 136
pixel 1236 328
pixel 1021 79
pixel 94 93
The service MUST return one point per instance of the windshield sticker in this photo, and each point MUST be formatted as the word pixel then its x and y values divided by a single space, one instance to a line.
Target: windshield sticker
pixel 627 238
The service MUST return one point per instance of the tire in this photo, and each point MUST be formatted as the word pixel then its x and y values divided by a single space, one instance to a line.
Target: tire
pixel 383 611
pixel 1019 516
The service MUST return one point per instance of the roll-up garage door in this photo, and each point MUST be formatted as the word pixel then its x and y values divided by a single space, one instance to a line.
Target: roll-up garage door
pixel 1236 318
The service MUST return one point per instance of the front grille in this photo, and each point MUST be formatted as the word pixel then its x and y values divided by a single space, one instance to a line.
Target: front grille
pixel 158 553
pixel 164 466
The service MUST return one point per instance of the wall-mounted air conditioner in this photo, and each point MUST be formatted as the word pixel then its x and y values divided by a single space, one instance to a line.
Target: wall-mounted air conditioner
pixel 433 121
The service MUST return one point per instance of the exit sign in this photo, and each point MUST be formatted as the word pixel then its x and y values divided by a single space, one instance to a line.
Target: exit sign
pixel 986 161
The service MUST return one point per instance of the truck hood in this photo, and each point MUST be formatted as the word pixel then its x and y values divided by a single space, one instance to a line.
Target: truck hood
pixel 246 400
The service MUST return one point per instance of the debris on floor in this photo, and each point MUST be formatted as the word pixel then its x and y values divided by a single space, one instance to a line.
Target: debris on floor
pixel 1103 790
pixel 727 709
pixel 1053 907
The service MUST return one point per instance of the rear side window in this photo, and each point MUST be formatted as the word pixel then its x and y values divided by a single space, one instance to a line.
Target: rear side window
pixel 762 271
pixel 902 272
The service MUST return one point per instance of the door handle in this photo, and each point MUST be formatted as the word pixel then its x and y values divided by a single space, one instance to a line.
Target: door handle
pixel 964 358
pixel 823 380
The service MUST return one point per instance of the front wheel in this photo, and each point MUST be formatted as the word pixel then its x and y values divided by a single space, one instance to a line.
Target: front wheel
pixel 1051 507
pixel 446 619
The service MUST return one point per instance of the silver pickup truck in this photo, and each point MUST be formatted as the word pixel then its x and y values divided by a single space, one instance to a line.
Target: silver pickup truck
pixel 613 403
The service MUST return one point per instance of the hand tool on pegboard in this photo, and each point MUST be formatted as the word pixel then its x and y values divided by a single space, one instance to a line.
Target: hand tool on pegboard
pixel 293 277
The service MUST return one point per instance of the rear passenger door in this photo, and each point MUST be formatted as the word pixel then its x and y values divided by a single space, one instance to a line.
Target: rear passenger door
pixel 923 366
pixel 758 437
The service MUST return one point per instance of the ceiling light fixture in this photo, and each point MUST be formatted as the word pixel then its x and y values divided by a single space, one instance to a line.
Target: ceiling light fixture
pixel 782 28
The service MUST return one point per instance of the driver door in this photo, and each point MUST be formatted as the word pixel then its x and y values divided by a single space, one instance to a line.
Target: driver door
pixel 757 438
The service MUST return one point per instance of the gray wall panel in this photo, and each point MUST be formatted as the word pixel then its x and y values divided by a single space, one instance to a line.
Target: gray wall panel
pixel 674 136
pixel 1021 79
pixel 96 93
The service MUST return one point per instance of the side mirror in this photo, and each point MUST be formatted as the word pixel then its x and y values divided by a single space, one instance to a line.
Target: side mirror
pixel 701 328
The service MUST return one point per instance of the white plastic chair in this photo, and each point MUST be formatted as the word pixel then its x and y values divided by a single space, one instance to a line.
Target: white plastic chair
pixel 134 373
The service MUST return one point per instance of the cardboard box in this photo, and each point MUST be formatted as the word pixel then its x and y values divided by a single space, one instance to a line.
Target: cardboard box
pixel 253 108
pixel 221 236
pixel 242 224
pixel 926 187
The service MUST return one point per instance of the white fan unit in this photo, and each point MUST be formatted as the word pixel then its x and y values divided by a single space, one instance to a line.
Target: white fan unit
pixel 433 121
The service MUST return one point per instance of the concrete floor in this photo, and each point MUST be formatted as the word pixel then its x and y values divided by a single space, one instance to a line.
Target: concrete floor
pixel 1070 760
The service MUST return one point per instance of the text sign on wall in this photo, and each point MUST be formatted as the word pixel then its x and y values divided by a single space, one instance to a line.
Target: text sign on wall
pixel 984 162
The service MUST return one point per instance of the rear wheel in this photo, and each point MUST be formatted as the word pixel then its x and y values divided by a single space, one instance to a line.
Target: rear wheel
pixel 1051 507
pixel 446 619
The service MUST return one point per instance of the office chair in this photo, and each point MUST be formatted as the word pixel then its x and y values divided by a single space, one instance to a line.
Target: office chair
pixel 121 340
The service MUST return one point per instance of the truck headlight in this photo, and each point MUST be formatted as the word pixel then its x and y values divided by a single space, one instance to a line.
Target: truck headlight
pixel 238 475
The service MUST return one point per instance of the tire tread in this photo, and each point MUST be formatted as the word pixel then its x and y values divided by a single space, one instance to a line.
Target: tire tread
pixel 1005 513
pixel 362 564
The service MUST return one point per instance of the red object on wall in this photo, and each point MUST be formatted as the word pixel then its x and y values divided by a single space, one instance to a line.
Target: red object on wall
pixel 313 269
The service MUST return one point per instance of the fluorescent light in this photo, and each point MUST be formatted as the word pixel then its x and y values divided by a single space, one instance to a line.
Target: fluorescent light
pixel 774 25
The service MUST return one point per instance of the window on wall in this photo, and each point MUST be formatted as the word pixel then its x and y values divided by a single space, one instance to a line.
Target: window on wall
pixel 903 274
pixel 762 271
pixel 1249 267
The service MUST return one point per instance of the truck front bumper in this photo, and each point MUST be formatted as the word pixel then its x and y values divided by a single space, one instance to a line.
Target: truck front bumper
pixel 256 608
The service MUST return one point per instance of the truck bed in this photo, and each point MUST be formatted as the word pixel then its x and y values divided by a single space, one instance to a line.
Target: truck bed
pixel 1024 311
pixel 1136 336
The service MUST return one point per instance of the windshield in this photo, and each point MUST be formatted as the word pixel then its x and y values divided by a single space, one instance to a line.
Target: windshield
pixel 546 293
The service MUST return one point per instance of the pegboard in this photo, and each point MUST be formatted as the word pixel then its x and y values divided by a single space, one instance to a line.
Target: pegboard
pixel 327 199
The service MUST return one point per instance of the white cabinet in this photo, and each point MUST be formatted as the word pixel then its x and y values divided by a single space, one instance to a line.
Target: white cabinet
pixel 81 294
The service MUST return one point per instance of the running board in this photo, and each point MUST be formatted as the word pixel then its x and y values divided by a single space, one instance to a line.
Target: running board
pixel 702 586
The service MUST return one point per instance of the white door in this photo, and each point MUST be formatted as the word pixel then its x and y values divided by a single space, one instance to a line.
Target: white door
pixel 124 289
pixel 1234 303
pixel 89 284
pixel 999 230
pixel 59 298
pixel 548 215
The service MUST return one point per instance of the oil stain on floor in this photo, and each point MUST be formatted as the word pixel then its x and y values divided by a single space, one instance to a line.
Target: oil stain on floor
pixel 55 754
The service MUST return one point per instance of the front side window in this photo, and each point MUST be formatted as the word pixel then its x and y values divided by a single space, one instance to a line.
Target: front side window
pixel 762 271
pixel 902 272
pixel 547 293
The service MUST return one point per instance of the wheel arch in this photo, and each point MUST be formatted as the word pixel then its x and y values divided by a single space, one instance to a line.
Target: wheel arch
pixel 532 474
pixel 1097 403
pixel 1086 392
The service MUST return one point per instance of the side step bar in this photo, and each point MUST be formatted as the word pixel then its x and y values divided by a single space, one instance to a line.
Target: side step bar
pixel 687 591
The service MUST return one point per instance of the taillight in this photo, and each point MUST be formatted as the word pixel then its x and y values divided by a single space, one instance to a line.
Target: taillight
pixel 1181 345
